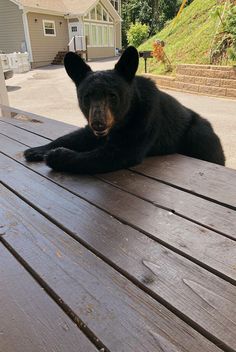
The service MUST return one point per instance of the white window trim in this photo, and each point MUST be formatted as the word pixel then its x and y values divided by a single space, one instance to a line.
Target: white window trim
pixel 54 25
pixel 98 22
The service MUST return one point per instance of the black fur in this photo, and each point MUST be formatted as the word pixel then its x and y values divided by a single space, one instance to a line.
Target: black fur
pixel 128 119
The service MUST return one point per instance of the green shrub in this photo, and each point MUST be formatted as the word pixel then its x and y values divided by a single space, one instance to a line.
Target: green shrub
pixel 137 34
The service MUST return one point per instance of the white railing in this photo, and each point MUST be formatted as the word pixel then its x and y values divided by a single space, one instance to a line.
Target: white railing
pixel 3 91
pixel 19 62
pixel 77 43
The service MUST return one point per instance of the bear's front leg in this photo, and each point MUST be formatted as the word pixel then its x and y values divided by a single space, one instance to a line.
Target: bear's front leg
pixel 80 140
pixel 61 159
pixel 99 160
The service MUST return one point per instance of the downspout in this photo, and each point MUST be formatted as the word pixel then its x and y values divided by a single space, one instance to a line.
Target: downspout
pixel 27 35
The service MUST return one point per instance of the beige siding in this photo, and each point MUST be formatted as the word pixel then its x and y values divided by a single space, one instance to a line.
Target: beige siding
pixel 98 52
pixel 12 36
pixel 45 48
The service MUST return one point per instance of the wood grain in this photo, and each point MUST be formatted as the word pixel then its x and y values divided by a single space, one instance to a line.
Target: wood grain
pixel 211 215
pixel 198 177
pixel 23 136
pixel 201 245
pixel 48 128
pixel 148 263
pixel 120 314
pixel 29 319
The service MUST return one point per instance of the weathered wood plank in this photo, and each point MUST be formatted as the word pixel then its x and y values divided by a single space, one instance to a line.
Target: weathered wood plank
pixel 21 135
pixel 37 124
pixel 123 316
pixel 200 244
pixel 162 272
pixel 30 321
pixel 198 177
pixel 213 216
pixel 202 211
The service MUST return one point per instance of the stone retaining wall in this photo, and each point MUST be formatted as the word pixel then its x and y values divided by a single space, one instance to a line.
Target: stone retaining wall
pixel 202 79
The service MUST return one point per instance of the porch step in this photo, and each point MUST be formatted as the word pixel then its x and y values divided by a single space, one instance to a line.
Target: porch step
pixel 59 58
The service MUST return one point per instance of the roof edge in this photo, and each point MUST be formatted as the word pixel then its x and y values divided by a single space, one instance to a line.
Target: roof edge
pixel 105 3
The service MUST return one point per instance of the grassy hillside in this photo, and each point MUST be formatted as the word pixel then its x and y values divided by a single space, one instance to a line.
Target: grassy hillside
pixel 189 41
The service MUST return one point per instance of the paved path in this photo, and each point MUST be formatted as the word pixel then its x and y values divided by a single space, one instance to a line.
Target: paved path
pixel 49 92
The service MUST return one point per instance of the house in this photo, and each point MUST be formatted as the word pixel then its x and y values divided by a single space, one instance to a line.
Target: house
pixel 46 27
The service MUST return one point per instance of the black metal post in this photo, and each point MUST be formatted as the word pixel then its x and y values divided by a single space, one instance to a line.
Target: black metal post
pixel 145 63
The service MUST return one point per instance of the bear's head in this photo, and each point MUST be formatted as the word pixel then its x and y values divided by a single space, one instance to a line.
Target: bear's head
pixel 104 96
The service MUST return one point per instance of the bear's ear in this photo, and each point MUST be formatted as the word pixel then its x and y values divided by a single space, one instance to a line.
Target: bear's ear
pixel 75 67
pixel 128 63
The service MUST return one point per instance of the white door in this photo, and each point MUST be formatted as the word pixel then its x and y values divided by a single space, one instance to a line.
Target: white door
pixel 76 30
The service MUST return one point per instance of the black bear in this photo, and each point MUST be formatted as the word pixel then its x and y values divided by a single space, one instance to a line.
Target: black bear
pixel 128 119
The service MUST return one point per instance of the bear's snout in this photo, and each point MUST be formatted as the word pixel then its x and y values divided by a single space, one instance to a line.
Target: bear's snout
pixel 98 125
pixel 100 119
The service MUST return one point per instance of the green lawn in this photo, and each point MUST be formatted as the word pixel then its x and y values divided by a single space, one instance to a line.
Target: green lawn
pixel 189 41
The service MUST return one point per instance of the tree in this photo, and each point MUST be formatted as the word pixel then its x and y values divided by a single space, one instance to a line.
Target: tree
pixel 153 13
pixel 135 11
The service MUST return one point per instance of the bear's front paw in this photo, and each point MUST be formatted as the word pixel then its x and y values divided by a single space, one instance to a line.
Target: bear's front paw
pixel 35 154
pixel 60 159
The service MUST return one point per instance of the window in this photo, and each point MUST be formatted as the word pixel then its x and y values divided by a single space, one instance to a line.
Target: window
pixel 93 14
pixel 105 35
pixel 99 35
pixel 104 16
pixel 49 28
pixel 111 36
pixel 74 28
pixel 98 13
pixel 87 32
pixel 94 36
pixel 115 4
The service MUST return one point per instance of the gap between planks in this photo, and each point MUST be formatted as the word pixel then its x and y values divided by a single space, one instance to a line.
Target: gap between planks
pixel 67 310
pixel 177 312
pixel 105 179
pixel 166 244
pixel 44 322
pixel 121 220
pixel 138 169
pixel 184 189
pixel 83 327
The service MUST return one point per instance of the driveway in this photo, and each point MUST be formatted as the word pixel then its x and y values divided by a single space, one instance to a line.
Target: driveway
pixel 48 91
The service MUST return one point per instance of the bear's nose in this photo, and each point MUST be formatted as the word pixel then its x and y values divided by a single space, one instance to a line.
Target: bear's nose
pixel 98 126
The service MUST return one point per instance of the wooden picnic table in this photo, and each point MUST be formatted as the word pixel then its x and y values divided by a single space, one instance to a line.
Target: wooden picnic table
pixel 136 260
